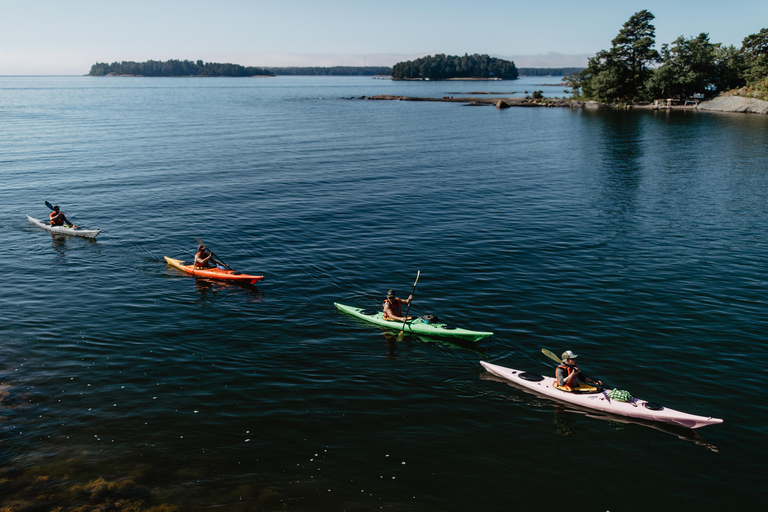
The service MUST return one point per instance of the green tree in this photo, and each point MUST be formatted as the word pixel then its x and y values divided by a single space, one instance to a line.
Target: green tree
pixel 634 46
pixel 755 50
pixel 620 73
pixel 729 68
pixel 688 66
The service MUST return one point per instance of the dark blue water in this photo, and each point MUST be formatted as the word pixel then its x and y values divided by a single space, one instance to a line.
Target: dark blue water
pixel 636 239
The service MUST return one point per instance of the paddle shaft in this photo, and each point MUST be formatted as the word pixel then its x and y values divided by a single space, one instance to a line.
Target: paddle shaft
pixel 418 273
pixel 212 254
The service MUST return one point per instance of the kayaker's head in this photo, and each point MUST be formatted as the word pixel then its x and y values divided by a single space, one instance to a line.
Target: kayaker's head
pixel 568 355
pixel 56 208
pixel 200 248
pixel 391 294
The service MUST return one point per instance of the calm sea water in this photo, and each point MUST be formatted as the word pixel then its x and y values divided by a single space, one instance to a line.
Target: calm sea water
pixel 636 239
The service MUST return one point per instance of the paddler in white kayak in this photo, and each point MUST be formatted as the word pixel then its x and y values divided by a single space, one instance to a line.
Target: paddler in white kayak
pixel 568 374
pixel 391 306
pixel 58 218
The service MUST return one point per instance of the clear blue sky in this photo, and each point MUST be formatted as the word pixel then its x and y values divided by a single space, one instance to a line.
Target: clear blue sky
pixel 68 36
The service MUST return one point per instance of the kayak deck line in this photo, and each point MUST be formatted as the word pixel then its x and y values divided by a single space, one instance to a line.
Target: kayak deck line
pixel 413 326
pixel 214 273
pixel 62 230
pixel 600 400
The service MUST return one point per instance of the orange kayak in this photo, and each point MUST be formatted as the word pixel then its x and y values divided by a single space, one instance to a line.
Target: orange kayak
pixel 214 273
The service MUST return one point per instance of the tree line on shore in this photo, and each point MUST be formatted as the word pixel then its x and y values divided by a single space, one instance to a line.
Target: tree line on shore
pixel 157 68
pixel 633 71
pixel 441 67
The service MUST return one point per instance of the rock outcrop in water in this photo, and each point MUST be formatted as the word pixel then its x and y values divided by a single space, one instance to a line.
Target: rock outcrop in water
pixel 732 103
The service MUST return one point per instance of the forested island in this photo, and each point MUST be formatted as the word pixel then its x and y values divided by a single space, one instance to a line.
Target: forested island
pixel 446 67
pixel 175 68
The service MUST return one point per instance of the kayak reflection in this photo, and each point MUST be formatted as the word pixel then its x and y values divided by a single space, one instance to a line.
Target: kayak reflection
pixel 391 341
pixel 209 286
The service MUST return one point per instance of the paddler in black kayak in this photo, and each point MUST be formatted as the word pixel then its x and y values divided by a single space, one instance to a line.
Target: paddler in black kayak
pixel 568 374
pixel 58 218
pixel 392 307
pixel 202 257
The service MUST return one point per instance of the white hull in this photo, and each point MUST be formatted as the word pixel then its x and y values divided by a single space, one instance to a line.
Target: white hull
pixel 600 401
pixel 87 233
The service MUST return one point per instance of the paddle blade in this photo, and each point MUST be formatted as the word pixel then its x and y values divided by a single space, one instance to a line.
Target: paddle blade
pixel 551 355
pixel 400 336
pixel 49 205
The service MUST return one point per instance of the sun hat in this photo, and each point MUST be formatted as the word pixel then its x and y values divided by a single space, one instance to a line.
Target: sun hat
pixel 568 355
pixel 390 293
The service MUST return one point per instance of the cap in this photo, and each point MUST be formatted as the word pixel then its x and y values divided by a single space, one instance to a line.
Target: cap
pixel 390 293
pixel 200 248
pixel 568 355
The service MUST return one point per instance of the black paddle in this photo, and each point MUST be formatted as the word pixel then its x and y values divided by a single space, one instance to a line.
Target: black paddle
pixel 552 356
pixel 400 336
pixel 212 254
pixel 49 205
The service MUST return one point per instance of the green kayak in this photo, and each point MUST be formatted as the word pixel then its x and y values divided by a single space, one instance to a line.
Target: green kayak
pixel 415 326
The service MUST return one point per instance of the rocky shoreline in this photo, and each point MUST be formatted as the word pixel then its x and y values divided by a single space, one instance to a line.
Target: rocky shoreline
pixel 719 104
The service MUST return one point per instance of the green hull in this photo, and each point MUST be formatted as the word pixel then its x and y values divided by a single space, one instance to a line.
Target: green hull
pixel 413 326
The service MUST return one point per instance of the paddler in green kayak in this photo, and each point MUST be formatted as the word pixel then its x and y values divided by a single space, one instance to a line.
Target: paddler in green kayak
pixel 568 374
pixel 392 307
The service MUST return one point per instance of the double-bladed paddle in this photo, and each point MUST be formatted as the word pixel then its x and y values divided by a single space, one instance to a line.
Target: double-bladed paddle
pixel 400 336
pixel 212 254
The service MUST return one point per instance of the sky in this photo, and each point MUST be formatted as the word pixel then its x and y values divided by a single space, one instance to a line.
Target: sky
pixel 66 37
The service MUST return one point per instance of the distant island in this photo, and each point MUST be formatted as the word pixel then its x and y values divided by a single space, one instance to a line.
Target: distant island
pixel 175 68
pixel 439 67
pixel 548 71
pixel 333 70
pixel 447 67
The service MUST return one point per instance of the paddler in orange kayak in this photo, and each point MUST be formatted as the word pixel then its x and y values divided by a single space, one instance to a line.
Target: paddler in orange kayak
pixel 58 218
pixel 392 306
pixel 202 257
pixel 568 374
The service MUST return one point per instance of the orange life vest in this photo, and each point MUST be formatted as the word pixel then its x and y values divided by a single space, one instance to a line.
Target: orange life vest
pixel 59 221
pixel 574 383
pixel 394 307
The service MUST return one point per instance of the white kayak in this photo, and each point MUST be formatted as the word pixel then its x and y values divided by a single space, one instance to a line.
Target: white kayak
pixel 599 400
pixel 87 233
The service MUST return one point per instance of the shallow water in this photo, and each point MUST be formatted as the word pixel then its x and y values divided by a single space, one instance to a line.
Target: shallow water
pixel 635 239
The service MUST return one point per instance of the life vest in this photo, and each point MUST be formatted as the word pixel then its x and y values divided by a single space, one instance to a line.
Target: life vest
pixel 59 221
pixel 197 265
pixel 574 382
pixel 394 307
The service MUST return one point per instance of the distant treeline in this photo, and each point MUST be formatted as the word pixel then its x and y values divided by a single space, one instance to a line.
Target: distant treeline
pixel 548 71
pixel 176 68
pixel 442 67
pixel 334 70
